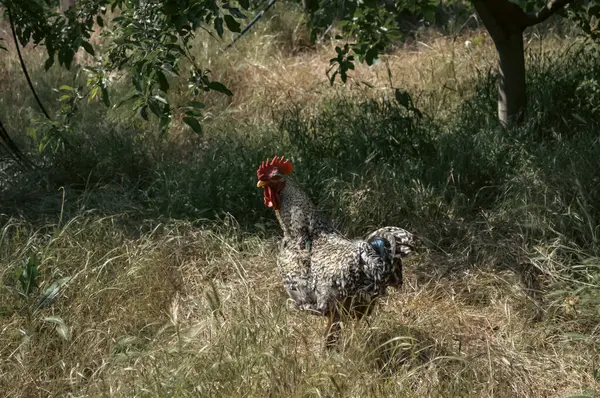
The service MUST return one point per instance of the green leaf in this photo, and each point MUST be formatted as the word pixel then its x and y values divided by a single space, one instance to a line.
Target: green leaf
pixel 196 104
pixel 403 98
pixel 192 112
pixel 163 125
pixel 165 119
pixel 370 3
pixel 128 99
pixel 236 13
pixel 48 64
pixel 232 24
pixel 194 124
pixel 155 107
pixel 105 97
pixel 245 4
pixel 88 48
pixel 371 56
pixel 100 21
pixel 92 95
pixel 332 78
pixel 219 26
pixel 429 14
pixel 161 99
pixel 143 112
pixel 170 8
pixel 162 81
pixel 136 83
pixel 65 57
pixel 28 274
pixel 216 86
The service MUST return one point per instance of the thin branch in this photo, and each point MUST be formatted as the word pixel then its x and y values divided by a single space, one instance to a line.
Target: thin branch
pixel 23 67
pixel 13 150
pixel 551 8
pixel 256 18
pixel 209 32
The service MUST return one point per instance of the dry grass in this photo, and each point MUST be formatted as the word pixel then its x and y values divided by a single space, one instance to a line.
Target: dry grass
pixel 266 76
pixel 173 310
pixel 275 66
pixel 169 308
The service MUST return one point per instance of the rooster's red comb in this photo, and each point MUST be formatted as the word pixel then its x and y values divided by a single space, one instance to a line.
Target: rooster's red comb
pixel 267 168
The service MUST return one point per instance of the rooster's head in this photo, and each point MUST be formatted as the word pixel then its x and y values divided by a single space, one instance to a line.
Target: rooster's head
pixel 271 177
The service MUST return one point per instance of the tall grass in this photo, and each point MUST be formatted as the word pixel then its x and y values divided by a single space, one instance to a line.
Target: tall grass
pixel 172 287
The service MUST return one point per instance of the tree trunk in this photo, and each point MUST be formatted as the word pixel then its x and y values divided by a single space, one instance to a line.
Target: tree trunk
pixel 501 19
pixel 512 95
pixel 506 21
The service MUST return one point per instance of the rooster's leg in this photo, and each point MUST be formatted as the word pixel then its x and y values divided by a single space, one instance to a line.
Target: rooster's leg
pixel 332 334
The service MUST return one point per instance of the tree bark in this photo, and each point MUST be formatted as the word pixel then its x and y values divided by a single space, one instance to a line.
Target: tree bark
pixel 501 19
pixel 505 21
pixel 512 88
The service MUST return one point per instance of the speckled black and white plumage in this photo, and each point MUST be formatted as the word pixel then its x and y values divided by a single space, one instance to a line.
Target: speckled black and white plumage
pixel 324 272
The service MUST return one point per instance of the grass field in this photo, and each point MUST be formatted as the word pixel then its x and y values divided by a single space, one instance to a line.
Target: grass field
pixel 156 254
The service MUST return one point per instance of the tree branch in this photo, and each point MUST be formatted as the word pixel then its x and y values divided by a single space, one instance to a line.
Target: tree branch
pixel 256 18
pixel 489 20
pixel 13 150
pixel 534 18
pixel 23 67
pixel 502 18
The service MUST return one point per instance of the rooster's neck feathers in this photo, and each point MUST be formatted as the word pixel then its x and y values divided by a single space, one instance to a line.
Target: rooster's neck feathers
pixel 298 215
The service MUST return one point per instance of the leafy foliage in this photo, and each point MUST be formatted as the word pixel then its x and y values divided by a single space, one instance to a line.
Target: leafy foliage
pixel 587 16
pixel 149 40
pixel 513 197
pixel 371 26
pixel 28 275
pixel 152 39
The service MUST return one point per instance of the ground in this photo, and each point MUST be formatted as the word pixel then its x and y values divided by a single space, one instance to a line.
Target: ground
pixel 156 258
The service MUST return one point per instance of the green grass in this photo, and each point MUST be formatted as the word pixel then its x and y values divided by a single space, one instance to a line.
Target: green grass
pixel 174 289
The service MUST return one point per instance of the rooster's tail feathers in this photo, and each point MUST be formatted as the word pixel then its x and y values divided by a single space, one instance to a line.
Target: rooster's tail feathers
pixel 401 241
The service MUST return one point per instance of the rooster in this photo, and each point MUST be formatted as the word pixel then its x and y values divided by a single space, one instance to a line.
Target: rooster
pixel 324 272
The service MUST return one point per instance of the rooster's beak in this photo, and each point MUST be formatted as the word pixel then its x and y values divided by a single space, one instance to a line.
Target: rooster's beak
pixel 261 184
